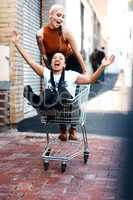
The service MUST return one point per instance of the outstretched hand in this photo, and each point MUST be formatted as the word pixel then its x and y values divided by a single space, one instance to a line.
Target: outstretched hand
pixel 108 60
pixel 15 36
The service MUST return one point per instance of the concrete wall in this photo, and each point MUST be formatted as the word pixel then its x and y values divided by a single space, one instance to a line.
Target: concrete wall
pixel 73 19
pixel 88 29
pixel 117 34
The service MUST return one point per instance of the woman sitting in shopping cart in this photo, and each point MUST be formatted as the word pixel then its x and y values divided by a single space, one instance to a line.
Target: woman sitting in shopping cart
pixel 55 76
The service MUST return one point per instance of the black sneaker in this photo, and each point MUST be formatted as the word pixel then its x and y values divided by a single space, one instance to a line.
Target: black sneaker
pixel 28 92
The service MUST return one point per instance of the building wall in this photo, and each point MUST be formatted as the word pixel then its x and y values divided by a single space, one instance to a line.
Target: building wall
pixel 46 4
pixel 73 19
pixel 100 7
pixel 31 24
pixel 7 22
pixel 12 18
pixel 4 106
pixel 88 43
pixel 19 70
pixel 85 27
pixel 117 34
pixel 4 84
pixel 16 73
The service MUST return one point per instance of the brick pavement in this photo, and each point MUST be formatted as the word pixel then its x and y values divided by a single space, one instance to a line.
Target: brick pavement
pixel 22 176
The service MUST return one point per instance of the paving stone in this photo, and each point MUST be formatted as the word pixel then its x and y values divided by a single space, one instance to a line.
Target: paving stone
pixel 22 175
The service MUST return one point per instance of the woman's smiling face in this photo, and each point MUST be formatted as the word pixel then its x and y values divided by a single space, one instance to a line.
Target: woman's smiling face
pixel 58 62
pixel 56 18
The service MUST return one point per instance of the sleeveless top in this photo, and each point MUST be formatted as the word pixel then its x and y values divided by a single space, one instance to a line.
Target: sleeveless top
pixel 54 42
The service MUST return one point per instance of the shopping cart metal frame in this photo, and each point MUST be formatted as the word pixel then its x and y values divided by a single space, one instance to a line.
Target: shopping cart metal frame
pixel 70 113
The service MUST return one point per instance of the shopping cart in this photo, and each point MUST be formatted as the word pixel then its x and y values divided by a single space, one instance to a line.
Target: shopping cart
pixel 70 113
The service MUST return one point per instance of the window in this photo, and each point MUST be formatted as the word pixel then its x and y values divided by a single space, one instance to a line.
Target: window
pixel 130 5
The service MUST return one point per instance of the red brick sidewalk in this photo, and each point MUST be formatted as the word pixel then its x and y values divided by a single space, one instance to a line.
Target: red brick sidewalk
pixel 22 176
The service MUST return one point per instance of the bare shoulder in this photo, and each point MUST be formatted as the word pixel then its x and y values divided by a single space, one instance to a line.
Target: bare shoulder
pixel 66 32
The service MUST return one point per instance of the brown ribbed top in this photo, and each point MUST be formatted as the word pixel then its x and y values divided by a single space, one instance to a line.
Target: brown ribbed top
pixel 54 42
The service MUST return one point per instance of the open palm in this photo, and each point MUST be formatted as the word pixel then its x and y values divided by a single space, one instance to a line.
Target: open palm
pixel 108 60
pixel 15 36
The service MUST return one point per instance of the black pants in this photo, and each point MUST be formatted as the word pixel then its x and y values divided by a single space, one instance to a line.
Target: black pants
pixel 37 101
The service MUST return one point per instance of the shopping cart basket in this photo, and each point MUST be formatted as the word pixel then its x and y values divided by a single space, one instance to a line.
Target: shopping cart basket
pixel 70 113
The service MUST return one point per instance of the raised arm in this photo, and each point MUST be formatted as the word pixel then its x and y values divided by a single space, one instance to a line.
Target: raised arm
pixel 36 67
pixel 69 36
pixel 85 79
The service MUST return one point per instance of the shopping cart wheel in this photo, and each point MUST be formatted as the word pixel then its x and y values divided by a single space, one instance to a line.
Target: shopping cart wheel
pixel 63 167
pixel 86 156
pixel 48 152
pixel 46 165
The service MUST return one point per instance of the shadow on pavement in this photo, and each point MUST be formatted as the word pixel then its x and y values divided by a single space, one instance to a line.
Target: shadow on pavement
pixel 34 124
pixel 108 124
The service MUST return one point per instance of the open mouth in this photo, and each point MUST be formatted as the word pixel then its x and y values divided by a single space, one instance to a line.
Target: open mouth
pixel 58 22
pixel 56 64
